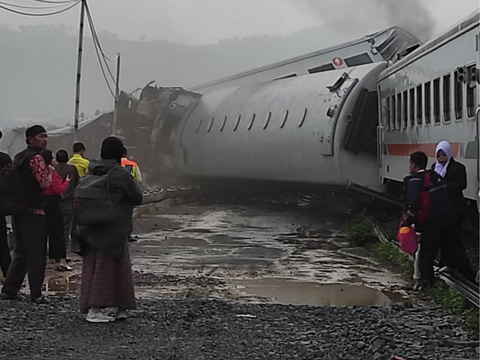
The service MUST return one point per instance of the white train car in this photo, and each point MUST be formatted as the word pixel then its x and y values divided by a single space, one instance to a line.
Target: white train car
pixel 429 96
pixel 317 129
pixel 377 47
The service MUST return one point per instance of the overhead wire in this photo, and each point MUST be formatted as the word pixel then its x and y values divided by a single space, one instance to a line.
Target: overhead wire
pixel 98 45
pixel 55 2
pixel 32 7
pixel 98 52
pixel 41 14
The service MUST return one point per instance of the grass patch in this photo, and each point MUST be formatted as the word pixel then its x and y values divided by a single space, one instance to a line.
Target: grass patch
pixel 360 230
pixel 450 299
pixel 389 253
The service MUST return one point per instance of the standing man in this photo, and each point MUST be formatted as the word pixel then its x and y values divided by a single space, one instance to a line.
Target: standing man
pixel 66 204
pixel 131 166
pixel 29 225
pixel 5 258
pixel 78 160
pixel 428 206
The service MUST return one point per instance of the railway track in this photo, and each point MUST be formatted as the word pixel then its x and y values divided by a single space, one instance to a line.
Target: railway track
pixel 451 279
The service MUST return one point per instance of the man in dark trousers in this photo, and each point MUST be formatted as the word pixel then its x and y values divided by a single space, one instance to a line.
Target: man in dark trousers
pixel 29 225
pixel 5 258
pixel 428 206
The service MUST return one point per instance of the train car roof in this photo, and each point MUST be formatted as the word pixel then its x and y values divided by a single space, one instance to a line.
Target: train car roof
pixel 461 27
pixel 301 57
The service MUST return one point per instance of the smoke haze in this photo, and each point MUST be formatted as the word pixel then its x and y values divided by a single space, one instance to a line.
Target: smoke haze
pixel 364 15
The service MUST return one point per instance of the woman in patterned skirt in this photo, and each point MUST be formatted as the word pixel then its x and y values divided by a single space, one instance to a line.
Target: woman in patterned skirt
pixel 106 274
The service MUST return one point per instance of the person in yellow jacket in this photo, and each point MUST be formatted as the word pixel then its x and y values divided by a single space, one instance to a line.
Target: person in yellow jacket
pixel 78 160
pixel 131 166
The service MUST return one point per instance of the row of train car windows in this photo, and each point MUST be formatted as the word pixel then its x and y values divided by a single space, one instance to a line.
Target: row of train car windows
pixel 251 122
pixel 414 106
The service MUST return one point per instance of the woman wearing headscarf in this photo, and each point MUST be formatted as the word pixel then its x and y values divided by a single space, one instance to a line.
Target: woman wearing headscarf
pixel 106 274
pixel 455 176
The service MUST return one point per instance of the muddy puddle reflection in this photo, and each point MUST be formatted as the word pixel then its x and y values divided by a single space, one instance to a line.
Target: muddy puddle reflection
pixel 309 293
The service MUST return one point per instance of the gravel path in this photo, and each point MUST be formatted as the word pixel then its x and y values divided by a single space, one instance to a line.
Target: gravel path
pixel 188 329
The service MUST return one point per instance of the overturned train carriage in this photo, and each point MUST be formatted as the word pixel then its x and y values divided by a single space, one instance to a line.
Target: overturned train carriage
pixel 317 129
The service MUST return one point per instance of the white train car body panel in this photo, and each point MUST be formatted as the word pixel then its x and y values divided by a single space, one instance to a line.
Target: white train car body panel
pixel 428 97
pixel 290 130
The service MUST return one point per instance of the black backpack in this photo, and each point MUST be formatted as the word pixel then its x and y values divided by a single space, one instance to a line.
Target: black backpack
pixel 92 204
pixel 13 195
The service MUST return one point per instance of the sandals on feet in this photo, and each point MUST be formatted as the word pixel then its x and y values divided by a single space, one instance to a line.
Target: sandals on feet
pixel 64 268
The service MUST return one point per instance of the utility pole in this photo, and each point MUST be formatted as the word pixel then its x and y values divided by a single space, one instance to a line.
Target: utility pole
pixel 79 71
pixel 117 93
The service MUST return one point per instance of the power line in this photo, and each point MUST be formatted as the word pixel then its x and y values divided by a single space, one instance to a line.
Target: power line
pixel 97 51
pixel 32 7
pixel 55 2
pixel 98 46
pixel 41 14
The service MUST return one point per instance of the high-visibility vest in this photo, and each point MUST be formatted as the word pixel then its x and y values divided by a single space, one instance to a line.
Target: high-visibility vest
pixel 132 168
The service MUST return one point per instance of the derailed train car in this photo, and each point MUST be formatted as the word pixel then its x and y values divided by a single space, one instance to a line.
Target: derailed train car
pixel 318 129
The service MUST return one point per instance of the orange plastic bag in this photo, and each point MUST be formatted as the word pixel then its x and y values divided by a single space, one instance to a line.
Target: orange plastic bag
pixel 408 239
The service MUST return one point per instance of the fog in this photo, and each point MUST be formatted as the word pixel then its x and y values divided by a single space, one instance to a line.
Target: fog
pixel 183 43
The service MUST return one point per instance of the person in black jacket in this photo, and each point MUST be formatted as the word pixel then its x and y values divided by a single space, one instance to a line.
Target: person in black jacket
pixel 428 206
pixel 5 257
pixel 455 175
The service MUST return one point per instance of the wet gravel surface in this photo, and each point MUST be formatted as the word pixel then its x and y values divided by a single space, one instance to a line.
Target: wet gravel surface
pixel 183 329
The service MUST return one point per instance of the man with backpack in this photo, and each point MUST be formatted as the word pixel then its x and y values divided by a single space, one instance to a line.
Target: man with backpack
pixel 31 178
pixel 5 258
pixel 428 206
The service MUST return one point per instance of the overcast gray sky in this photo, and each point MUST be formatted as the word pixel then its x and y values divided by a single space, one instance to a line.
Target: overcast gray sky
pixel 207 21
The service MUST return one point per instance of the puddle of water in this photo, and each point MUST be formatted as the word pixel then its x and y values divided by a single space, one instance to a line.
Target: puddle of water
pixel 309 293
pixel 63 285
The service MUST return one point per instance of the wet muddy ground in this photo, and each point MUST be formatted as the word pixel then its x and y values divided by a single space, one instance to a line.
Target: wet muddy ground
pixel 226 281
pixel 259 253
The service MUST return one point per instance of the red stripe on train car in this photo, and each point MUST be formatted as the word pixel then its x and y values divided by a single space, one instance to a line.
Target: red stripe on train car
pixel 429 149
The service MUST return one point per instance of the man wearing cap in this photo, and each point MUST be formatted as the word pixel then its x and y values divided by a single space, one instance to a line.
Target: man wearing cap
pixel 29 225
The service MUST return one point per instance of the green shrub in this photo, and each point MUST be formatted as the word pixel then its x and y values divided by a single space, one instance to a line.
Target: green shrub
pixel 360 230
pixel 389 253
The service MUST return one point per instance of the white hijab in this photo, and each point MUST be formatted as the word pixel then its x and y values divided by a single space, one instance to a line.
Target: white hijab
pixel 447 149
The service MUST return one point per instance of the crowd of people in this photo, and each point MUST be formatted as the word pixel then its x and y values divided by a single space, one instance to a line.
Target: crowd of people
pixel 435 206
pixel 47 225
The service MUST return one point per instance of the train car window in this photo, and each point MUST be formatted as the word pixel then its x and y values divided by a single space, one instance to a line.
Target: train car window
pixel 446 97
pixel 284 119
pixel 224 123
pixel 471 91
pixel 419 105
pixel 387 113
pixel 303 118
pixel 237 122
pixel 412 107
pixel 398 115
pixel 251 122
pixel 358 60
pixel 199 126
pixel 458 95
pixel 428 102
pixel 405 109
pixel 436 101
pixel 211 124
pixel 394 112
pixel 321 68
pixel 267 121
